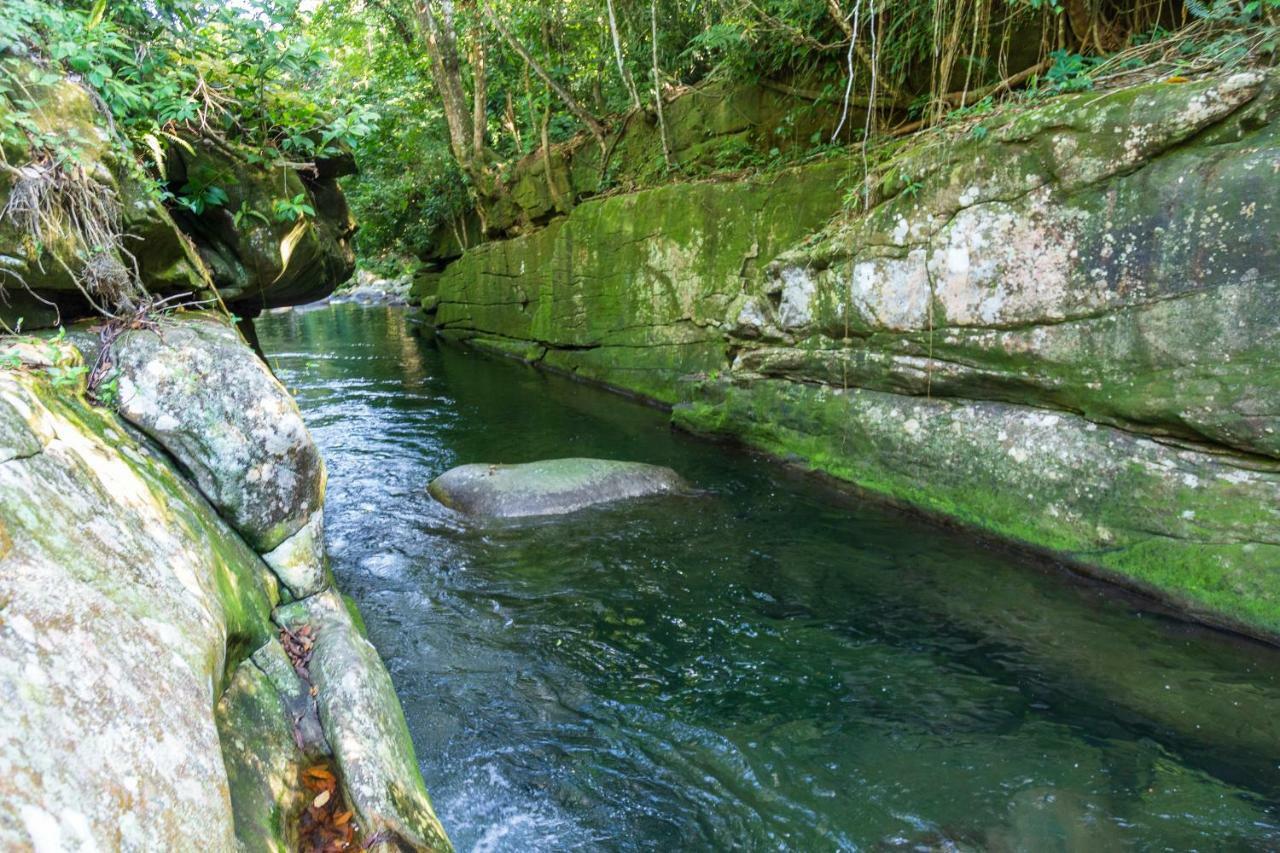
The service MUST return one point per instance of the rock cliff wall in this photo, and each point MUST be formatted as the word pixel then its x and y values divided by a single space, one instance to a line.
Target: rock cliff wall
pixel 174 657
pixel 1056 327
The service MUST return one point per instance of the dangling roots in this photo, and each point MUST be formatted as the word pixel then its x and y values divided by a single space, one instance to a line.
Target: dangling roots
pixel 48 201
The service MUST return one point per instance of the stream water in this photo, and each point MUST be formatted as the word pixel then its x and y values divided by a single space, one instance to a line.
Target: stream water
pixel 771 665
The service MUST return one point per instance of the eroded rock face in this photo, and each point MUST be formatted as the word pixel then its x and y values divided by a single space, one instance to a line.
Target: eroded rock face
pixel 256 262
pixel 126 603
pixel 1088 259
pixel 261 262
pixel 146 701
pixel 263 760
pixel 198 390
pixel 550 487
pixel 299 561
pixel 634 290
pixel 1043 329
pixel 165 261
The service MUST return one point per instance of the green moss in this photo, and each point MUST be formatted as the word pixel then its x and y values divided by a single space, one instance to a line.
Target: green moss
pixel 263 762
pixel 354 612
pixel 1154 319
pixel 1186 528
pixel 631 290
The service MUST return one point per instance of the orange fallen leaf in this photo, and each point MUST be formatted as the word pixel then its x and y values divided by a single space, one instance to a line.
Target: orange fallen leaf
pixel 341 819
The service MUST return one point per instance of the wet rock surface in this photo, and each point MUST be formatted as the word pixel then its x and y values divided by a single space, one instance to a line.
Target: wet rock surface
pixel 146 699
pixel 365 727
pixel 127 602
pixel 550 487
pixel 227 421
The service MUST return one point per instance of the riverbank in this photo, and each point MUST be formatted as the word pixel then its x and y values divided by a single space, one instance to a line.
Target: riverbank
pixel 634 676
pixel 1053 332
pixel 177 662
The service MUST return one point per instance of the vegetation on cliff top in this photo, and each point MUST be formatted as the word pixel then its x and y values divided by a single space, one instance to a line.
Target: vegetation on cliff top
pixel 471 90
pixel 441 100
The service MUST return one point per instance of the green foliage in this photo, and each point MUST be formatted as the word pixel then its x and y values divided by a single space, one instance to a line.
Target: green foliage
pixel 198 198
pixel 65 376
pixel 1070 71
pixel 292 209
pixel 240 73
pixel 245 213
pixel 107 391
pixel 286 82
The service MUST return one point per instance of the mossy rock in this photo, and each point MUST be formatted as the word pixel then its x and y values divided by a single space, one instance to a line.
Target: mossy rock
pixel 550 487
pixel 1058 330
pixel 128 604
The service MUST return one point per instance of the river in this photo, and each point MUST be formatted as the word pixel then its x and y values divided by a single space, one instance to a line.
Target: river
pixel 772 664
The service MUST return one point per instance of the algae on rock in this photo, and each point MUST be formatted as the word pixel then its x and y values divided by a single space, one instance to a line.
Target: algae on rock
pixel 227 421
pixel 128 603
pixel 250 260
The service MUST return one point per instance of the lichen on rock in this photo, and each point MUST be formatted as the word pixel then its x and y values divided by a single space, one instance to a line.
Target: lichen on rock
pixel 117 636
pixel 146 701
pixel 195 388
pixel 550 486
pixel 365 727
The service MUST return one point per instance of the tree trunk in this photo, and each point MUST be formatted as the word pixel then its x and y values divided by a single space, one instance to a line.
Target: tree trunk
pixel 435 17
pixel 657 82
pixel 627 80
pixel 479 98
pixel 556 201
pixel 509 119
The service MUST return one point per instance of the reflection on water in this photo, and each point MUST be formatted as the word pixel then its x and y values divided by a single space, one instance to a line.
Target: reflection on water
pixel 772 665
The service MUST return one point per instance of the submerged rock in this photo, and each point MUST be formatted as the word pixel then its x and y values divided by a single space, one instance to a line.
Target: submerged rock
pixel 369 289
pixel 550 487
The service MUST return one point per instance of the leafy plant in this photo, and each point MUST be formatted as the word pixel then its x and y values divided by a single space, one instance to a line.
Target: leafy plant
pixel 245 212
pixel 198 198
pixel 1070 71
pixel 292 209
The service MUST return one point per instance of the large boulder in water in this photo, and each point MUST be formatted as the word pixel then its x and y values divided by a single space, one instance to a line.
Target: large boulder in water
pixel 549 487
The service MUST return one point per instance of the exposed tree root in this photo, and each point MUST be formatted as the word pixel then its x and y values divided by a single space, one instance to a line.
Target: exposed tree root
pixel 51 202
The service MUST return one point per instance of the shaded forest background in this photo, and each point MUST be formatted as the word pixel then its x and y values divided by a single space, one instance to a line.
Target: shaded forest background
pixel 439 100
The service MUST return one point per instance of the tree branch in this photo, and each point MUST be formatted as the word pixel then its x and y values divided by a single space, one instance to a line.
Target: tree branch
pixel 580 112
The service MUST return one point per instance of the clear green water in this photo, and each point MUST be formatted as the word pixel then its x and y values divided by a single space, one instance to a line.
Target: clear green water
pixel 773 665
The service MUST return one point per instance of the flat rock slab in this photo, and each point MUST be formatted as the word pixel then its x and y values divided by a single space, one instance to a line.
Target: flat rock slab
pixel 550 487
